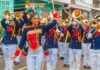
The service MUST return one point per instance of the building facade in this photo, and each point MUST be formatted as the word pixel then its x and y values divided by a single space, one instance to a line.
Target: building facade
pixel 84 5
pixel 89 8
pixel 96 7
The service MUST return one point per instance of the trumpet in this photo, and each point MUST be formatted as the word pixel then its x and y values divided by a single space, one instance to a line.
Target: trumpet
pixel 91 32
pixel 18 15
pixel 96 27
pixel 7 14
pixel 27 4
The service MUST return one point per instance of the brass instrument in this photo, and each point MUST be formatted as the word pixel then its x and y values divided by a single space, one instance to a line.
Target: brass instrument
pixel 8 17
pixel 63 23
pixel 95 25
pixel 90 33
pixel 7 14
pixel 76 14
pixel 97 17
pixel 82 17
pixel 98 28
pixel 59 20
pixel 64 20
pixel 92 30
pixel 27 4
pixel 44 20
pixel 17 15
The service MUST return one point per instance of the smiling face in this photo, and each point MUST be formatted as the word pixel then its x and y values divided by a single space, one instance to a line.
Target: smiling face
pixel 35 20
pixel 87 23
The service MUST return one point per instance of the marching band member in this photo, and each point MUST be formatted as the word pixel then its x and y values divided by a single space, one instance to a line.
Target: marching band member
pixel 51 45
pixel 52 49
pixel 65 39
pixel 21 23
pixel 60 43
pixel 23 19
pixel 86 44
pixel 33 34
pixel 9 41
pixel 58 30
pixel 76 31
pixel 66 47
pixel 95 49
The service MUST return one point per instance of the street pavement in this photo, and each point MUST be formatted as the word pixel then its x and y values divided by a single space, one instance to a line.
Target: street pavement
pixel 22 65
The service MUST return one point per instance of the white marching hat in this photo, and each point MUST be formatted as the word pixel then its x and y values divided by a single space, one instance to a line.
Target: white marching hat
pixel 76 21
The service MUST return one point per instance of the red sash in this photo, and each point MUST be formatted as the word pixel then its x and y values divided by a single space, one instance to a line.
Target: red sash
pixel 9 29
pixel 33 41
pixel 51 32
pixel 65 30
pixel 87 29
pixel 75 33
pixel 97 34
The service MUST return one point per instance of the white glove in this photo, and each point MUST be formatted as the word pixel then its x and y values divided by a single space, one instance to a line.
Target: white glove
pixel 58 31
pixel 89 35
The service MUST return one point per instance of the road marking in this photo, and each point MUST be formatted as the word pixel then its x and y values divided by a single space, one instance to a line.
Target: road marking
pixel 22 68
